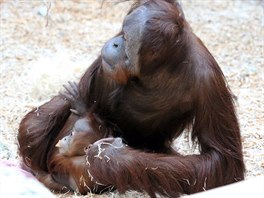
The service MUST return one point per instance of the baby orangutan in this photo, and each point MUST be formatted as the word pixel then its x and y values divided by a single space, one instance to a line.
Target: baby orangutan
pixel 68 166
pixel 81 135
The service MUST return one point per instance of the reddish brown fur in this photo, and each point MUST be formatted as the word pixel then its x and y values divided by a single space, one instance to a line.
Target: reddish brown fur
pixel 63 171
pixel 72 164
pixel 179 86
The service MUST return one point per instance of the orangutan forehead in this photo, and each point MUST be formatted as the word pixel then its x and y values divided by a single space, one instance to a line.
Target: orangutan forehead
pixel 136 19
pixel 82 125
pixel 135 22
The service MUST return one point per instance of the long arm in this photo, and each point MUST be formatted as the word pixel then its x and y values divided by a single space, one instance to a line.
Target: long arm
pixel 170 175
pixel 38 130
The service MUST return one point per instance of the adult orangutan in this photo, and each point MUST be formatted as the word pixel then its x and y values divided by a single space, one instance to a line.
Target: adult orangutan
pixel 151 81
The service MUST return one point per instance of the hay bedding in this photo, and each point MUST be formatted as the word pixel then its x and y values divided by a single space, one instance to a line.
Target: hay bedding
pixel 40 53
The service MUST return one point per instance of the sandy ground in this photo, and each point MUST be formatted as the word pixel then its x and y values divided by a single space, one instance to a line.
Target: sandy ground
pixel 39 53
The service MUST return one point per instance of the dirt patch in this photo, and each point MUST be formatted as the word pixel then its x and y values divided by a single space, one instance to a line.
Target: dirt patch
pixel 39 53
